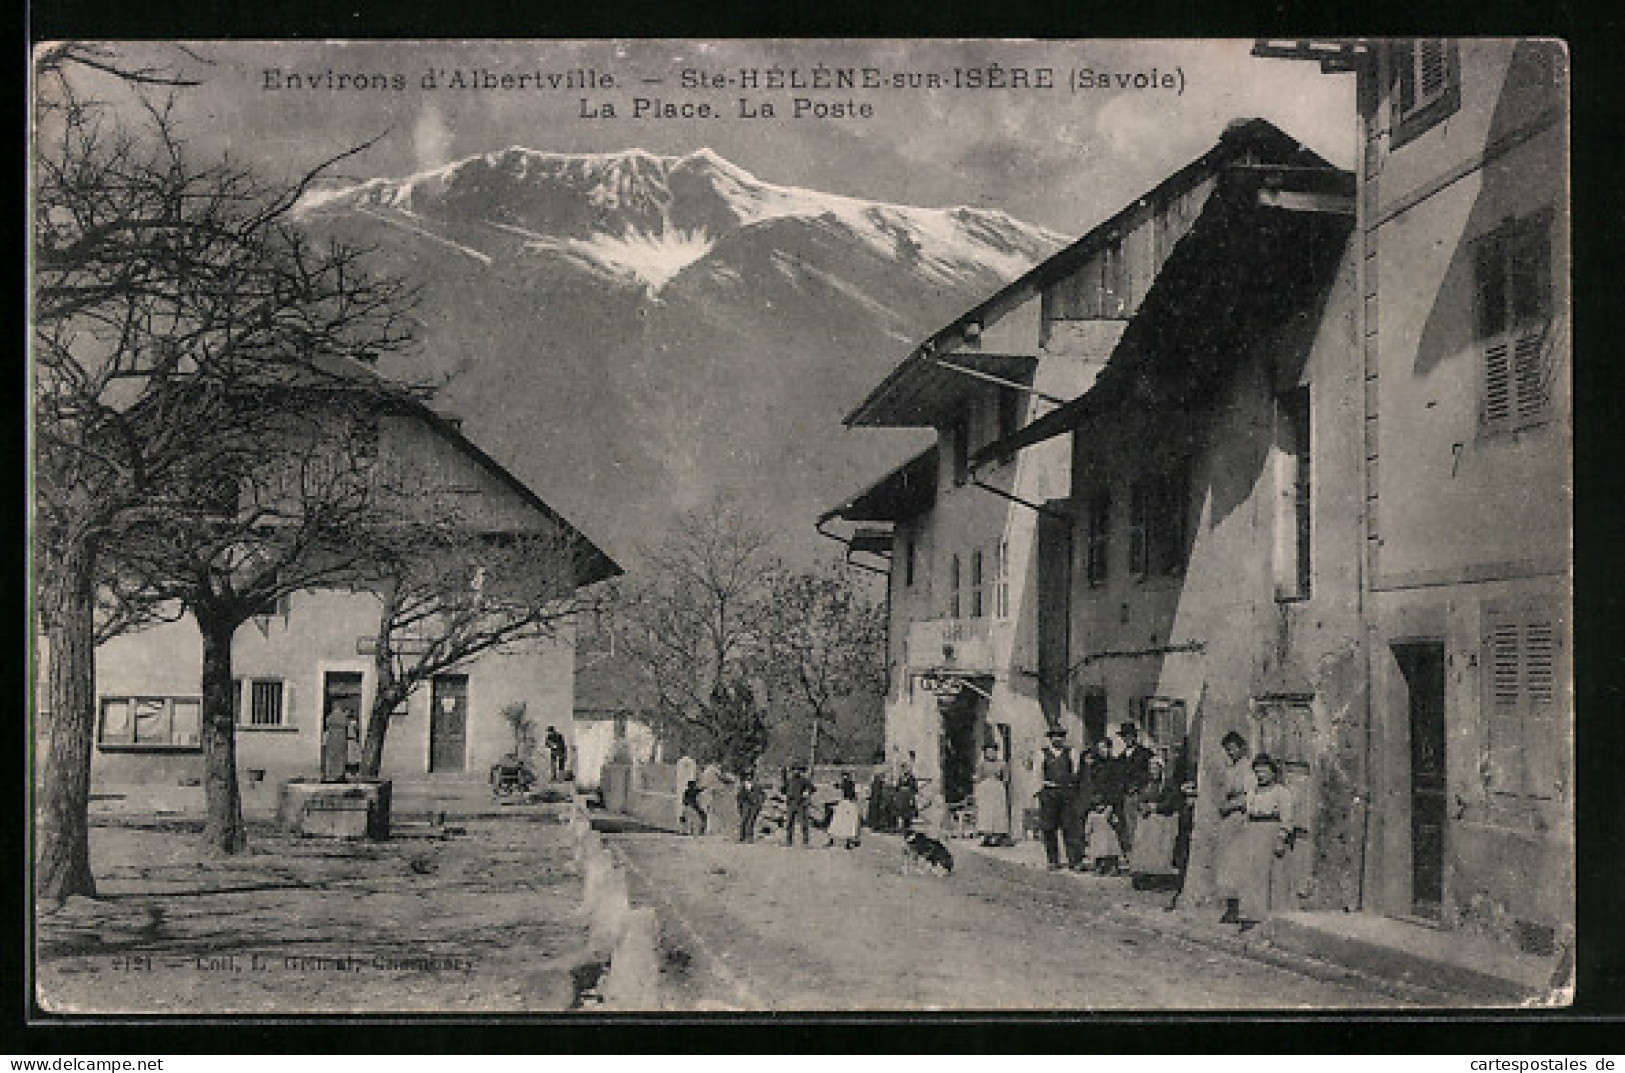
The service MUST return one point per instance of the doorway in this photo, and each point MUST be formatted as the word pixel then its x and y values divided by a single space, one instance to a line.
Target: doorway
pixel 1094 718
pixel 341 723
pixel 962 732
pixel 448 723
pixel 1421 663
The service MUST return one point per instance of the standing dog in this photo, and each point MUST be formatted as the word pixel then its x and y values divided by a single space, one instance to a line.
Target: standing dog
pixel 922 853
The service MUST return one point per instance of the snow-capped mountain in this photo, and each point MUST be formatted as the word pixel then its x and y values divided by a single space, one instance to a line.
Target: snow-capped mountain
pixel 649 217
pixel 634 333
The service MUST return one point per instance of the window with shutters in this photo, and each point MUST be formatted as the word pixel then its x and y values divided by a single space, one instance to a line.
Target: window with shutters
pixel 1426 85
pixel 976 607
pixel 1526 737
pixel 1512 271
pixel 953 587
pixel 1001 580
pixel 1285 729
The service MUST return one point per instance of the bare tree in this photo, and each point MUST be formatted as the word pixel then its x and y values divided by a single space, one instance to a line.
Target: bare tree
pixel 248 529
pixel 691 622
pixel 448 593
pixel 167 296
pixel 824 642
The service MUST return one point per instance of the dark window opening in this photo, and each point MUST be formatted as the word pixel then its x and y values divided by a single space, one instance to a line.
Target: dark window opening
pixel 1293 521
pixel 1098 546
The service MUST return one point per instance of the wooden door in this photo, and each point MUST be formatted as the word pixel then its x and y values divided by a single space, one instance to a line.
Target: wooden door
pixel 1422 665
pixel 448 723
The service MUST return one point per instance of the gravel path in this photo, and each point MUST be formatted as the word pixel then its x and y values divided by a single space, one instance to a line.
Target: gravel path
pixel 772 928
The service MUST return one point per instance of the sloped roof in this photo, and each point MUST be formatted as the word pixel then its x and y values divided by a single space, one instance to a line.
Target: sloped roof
pixel 338 372
pixel 905 492
pixel 1245 261
pixel 918 386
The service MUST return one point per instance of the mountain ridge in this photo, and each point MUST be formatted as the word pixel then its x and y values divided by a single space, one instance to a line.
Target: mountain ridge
pixel 632 356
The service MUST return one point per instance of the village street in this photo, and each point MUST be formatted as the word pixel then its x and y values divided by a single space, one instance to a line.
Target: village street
pixel 770 928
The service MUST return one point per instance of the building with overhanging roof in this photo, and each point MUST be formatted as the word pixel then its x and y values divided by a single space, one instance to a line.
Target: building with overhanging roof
pixel 982 550
pixel 1215 495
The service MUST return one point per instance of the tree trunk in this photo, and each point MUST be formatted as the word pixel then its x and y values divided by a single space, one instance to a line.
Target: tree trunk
pixel 812 753
pixel 223 830
pixel 63 864
pixel 385 694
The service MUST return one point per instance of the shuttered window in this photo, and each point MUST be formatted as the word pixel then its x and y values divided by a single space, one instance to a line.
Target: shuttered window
pixel 1527 737
pixel 1512 270
pixel 976 607
pixel 953 587
pixel 1426 85
pixel 1001 580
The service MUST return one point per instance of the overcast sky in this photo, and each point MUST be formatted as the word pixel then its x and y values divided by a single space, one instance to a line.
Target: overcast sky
pixel 1064 158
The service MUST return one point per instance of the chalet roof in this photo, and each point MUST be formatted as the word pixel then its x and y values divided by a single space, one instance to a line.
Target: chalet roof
pixel 340 373
pixel 1266 240
pixel 920 388
pixel 924 389
pixel 904 493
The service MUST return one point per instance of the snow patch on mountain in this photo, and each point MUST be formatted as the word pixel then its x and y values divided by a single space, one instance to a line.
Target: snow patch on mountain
pixel 651 257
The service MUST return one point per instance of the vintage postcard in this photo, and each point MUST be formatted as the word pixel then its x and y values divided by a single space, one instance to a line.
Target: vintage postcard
pixel 760 525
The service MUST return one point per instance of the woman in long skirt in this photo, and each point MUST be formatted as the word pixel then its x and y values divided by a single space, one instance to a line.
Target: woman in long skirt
pixel 1231 869
pixel 1264 841
pixel 843 822
pixel 993 799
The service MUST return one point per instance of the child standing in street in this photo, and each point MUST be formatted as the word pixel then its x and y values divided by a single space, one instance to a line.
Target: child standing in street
pixel 1100 838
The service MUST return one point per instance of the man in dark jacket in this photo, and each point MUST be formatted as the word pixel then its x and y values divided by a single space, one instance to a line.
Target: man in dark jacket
pixel 1135 768
pixel 749 797
pixel 797 805
pixel 1058 816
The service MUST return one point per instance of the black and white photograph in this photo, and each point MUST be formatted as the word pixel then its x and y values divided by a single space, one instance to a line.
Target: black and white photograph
pixel 798 526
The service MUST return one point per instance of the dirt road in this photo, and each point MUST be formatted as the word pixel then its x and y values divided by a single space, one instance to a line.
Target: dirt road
pixel 771 928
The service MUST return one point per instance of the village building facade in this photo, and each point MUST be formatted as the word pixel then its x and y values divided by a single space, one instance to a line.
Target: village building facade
pixel 1215 479
pixel 307 663
pixel 1465 354
pixel 985 550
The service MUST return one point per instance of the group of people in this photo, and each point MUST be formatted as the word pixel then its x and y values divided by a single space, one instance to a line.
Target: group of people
pixel 841 821
pixel 1099 807
pixel 894 796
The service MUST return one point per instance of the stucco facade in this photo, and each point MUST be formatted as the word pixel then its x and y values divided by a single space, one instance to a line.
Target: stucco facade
pixel 984 563
pixel 312 654
pixel 322 637
pixel 1464 226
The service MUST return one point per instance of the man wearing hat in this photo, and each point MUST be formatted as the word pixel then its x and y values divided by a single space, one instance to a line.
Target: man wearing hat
pixel 1057 805
pixel 1134 769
